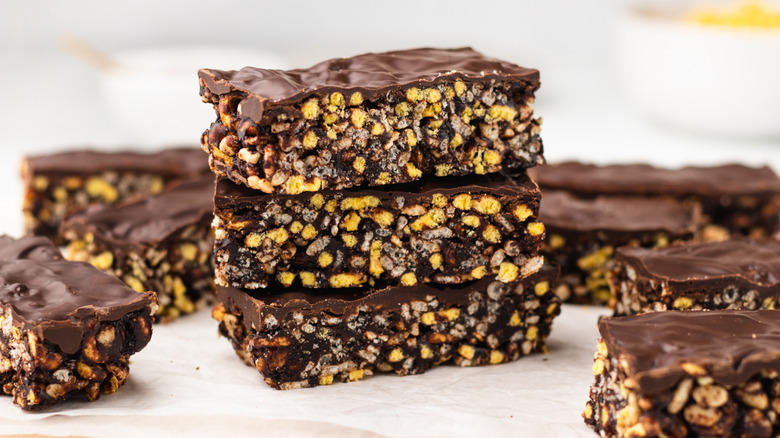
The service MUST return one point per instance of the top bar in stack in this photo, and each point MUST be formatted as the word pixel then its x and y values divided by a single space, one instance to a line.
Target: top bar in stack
pixel 57 184
pixel 740 199
pixel 374 119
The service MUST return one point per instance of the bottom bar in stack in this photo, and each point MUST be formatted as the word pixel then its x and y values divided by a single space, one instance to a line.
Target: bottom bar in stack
pixel 687 373
pixel 301 338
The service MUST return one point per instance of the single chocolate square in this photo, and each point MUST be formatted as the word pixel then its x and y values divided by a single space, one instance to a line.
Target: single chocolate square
pixel 59 183
pixel 67 328
pixel 162 243
pixel 736 199
pixel 298 339
pixel 582 235
pixel 370 120
pixel 734 274
pixel 691 373
pixel 442 230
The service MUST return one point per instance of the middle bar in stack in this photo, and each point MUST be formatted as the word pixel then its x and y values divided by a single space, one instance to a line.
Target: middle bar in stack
pixel 445 230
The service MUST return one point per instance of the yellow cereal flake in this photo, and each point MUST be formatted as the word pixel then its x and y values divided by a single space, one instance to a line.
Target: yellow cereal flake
pixel 522 212
pixel 460 87
pixel 413 94
pixel 396 355
pixel 408 279
pixel 501 112
pixel 383 218
pixel 471 221
pixel 402 109
pixel 346 280
pixel 102 261
pixel 350 221
pixel 98 187
pixel 487 205
pixel 286 278
pixel 331 205
pixel 426 352
pixel 436 260
pixel 253 240
pixel 462 201
pixel 317 200
pixel 515 320
pixel 411 137
pixel 541 288
pixel 309 232
pixel 443 169
pixel 296 184
pixel 374 266
pixel 466 351
pixel 383 178
pixel 478 272
pixel 296 227
pixel 377 129
pixel 310 109
pixel 535 228
pixel 432 95
pixel 308 279
pixel 359 164
pixel 337 99
pixel 358 118
pixel 439 200
pixel 496 357
pixel 491 157
pixel 310 140
pixel 456 140
pixel 491 234
pixel 413 171
pixel 507 272
pixel 359 203
pixel 356 98
pixel 349 239
pixel 325 259
pixel 431 219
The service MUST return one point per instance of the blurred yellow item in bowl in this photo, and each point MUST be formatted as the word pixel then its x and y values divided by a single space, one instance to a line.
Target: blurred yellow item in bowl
pixel 743 14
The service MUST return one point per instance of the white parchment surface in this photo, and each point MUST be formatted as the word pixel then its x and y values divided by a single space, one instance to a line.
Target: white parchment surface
pixel 189 382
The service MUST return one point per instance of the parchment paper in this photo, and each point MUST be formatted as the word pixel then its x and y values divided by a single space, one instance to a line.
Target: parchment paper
pixel 188 381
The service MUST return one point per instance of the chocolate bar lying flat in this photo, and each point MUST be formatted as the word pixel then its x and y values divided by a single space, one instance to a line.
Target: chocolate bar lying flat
pixel 373 119
pixel 162 243
pixel 582 235
pixel 681 374
pixel 738 198
pixel 443 230
pixel 732 274
pixel 297 338
pixel 67 328
pixel 57 184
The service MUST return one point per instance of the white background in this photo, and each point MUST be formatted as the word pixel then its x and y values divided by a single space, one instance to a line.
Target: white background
pixel 50 100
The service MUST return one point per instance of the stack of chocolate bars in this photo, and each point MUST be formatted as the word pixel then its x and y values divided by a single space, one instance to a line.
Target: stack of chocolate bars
pixel 373 214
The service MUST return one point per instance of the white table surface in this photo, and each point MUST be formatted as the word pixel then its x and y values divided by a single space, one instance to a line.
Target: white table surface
pixel 188 382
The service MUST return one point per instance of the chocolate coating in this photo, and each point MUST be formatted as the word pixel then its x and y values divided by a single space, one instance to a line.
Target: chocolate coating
pixel 732 345
pixel 561 210
pixel 255 304
pixel 183 161
pixel 150 220
pixel 229 193
pixel 745 263
pixel 58 296
pixel 643 179
pixel 371 74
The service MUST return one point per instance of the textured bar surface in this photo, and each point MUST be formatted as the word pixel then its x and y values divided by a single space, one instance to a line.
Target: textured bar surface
pixel 298 339
pixel 59 183
pixel 67 328
pixel 582 235
pixel 678 374
pixel 443 230
pixel 734 274
pixel 734 197
pixel 162 243
pixel 373 119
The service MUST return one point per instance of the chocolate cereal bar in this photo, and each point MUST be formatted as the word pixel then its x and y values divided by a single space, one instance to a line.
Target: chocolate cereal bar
pixel 59 183
pixel 68 329
pixel 683 374
pixel 298 339
pixel 369 120
pixel 582 235
pixel 733 274
pixel 162 243
pixel 443 230
pixel 734 198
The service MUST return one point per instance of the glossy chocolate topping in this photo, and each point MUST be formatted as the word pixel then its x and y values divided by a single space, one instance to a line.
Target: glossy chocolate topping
pixel 563 211
pixel 643 179
pixel 152 219
pixel 31 248
pixel 184 161
pixel 371 74
pixel 745 263
pixel 57 296
pixel 732 345
pixel 258 303
pixel 498 184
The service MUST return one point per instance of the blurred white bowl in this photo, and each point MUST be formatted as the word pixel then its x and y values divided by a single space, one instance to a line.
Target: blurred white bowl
pixel 710 79
pixel 153 94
